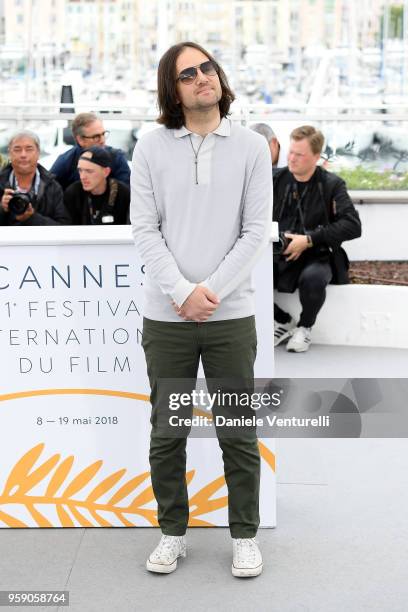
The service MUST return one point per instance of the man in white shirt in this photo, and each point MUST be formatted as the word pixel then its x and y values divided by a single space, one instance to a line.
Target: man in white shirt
pixel 201 197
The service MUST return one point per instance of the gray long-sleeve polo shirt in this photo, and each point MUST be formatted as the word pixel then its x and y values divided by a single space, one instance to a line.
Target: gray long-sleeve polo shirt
pixel 210 233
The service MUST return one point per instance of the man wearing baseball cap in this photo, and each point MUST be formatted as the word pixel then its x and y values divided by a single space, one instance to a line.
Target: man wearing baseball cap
pixel 97 199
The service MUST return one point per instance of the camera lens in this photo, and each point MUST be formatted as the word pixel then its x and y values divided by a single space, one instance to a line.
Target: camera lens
pixel 280 246
pixel 19 203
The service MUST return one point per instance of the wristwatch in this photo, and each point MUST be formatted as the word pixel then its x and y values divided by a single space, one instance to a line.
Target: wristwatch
pixel 309 240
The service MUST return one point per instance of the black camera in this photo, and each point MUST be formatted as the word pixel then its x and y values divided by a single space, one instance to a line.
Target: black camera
pixel 19 202
pixel 280 246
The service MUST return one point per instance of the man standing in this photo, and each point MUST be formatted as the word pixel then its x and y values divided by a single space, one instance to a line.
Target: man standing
pixel 316 214
pixel 97 199
pixel 29 194
pixel 88 130
pixel 201 194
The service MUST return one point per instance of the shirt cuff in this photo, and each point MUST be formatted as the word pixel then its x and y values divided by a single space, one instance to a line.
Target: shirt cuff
pixel 182 290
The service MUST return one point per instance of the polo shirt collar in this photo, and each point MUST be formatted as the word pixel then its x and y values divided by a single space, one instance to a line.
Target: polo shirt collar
pixel 224 129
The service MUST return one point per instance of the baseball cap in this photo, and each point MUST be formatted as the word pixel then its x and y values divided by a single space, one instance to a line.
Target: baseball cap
pixel 97 155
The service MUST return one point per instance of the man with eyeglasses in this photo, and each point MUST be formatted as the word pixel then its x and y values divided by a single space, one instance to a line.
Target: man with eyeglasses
pixel 201 209
pixel 88 131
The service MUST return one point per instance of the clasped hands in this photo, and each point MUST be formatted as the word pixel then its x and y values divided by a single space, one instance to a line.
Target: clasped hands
pixel 199 305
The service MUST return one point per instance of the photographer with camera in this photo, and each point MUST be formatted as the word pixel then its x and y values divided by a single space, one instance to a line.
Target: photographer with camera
pixel 315 215
pixel 97 198
pixel 29 195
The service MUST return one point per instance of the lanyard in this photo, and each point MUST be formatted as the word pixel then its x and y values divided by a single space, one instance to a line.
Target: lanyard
pixel 34 185
pixel 93 214
pixel 299 200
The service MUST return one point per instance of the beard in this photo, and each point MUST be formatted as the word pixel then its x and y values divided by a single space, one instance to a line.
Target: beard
pixel 205 102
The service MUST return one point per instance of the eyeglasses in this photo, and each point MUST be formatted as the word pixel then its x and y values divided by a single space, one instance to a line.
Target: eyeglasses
pixel 189 75
pixel 96 137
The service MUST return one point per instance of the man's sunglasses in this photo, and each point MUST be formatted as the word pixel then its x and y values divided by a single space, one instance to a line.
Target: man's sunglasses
pixel 189 75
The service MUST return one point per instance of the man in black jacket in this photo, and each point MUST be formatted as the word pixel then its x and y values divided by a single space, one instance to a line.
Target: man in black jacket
pixel 97 199
pixel 88 131
pixel 315 215
pixel 41 201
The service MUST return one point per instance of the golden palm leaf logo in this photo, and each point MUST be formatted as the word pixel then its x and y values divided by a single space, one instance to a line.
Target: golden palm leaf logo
pixel 66 493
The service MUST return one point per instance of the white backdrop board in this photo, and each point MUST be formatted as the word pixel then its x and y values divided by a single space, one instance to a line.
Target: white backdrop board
pixel 74 409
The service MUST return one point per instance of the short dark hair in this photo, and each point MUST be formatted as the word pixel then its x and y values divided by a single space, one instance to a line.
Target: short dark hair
pixel 171 112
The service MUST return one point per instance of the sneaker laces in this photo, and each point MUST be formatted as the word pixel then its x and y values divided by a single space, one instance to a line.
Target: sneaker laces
pixel 167 546
pixel 246 549
pixel 302 333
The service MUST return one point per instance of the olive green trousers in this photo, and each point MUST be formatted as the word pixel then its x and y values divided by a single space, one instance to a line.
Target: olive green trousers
pixel 173 351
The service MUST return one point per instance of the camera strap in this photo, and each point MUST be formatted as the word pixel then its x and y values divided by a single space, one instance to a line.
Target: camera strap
pixel 113 193
pixel 35 185
pixel 292 192
pixel 282 206
pixel 299 199
pixel 322 199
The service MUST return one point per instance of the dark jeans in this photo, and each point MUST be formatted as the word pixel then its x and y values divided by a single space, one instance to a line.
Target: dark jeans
pixel 312 284
pixel 226 349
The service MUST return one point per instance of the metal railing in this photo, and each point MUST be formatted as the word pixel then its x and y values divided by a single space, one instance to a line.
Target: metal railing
pixel 337 115
pixel 253 112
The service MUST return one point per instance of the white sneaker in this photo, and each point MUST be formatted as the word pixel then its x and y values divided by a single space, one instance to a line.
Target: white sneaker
pixel 164 557
pixel 247 558
pixel 282 331
pixel 300 340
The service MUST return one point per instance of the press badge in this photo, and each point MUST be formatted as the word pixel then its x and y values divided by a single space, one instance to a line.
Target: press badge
pixel 107 219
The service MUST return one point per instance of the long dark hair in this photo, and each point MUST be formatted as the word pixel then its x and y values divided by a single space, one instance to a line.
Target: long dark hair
pixel 171 112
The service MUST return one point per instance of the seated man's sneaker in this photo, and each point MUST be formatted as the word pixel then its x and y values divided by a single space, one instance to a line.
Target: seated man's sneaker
pixel 247 558
pixel 282 331
pixel 300 340
pixel 164 557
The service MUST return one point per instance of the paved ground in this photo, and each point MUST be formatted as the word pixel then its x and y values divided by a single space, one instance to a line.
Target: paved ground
pixel 329 361
pixel 340 544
